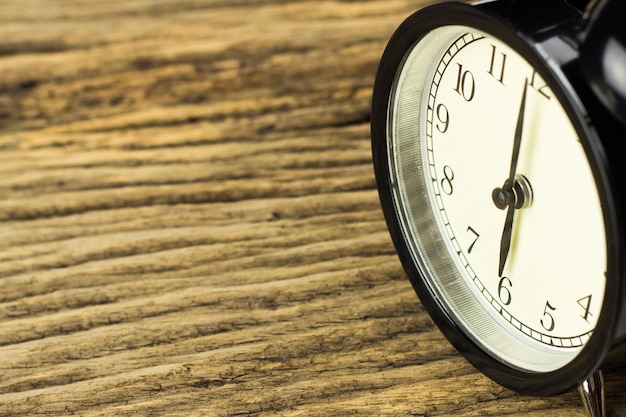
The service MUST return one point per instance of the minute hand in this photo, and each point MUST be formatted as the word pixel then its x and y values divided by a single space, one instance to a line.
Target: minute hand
pixel 507 233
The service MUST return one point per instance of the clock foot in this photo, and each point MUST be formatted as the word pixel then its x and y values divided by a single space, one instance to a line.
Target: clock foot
pixel 592 395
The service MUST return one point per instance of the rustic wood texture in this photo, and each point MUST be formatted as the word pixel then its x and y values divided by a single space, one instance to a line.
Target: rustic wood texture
pixel 190 225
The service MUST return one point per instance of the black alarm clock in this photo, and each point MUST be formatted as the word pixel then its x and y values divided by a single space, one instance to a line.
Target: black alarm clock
pixel 498 137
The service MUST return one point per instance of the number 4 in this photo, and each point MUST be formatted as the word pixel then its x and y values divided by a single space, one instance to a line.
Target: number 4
pixel 585 303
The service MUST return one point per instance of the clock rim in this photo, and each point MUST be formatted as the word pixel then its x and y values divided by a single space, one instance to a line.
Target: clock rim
pixel 489 18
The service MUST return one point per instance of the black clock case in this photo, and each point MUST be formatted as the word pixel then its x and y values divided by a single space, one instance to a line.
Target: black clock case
pixel 570 51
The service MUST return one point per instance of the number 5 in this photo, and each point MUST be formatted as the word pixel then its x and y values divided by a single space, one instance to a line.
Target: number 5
pixel 549 320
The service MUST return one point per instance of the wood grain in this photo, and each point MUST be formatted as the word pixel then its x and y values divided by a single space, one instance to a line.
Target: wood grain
pixel 190 225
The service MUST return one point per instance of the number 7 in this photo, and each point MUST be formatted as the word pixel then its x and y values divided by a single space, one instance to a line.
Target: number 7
pixel 469 229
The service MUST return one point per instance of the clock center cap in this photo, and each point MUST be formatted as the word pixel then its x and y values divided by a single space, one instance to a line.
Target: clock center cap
pixel 520 194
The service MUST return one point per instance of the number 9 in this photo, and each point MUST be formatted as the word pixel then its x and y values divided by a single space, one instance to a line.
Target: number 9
pixel 444 118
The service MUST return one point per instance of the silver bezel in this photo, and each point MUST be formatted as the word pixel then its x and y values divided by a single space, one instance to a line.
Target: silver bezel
pixel 423 229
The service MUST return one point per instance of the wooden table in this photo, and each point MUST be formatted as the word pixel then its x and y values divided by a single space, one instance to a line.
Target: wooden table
pixel 190 225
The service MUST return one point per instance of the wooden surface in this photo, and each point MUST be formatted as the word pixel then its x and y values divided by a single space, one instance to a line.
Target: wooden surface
pixel 190 225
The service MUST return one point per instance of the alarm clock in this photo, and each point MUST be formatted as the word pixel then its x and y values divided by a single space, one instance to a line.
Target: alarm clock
pixel 498 138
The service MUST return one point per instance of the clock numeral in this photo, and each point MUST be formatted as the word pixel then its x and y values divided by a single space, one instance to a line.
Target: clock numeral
pixel 444 118
pixel 465 85
pixel 501 63
pixel 503 292
pixel 469 229
pixel 446 182
pixel 585 303
pixel 539 85
pixel 548 320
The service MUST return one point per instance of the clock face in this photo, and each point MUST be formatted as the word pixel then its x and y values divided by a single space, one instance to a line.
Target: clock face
pixel 496 199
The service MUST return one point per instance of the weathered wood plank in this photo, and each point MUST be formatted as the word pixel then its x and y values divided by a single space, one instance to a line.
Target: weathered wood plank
pixel 190 222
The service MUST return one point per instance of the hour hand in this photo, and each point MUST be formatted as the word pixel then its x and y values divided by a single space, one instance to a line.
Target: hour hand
pixel 507 235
